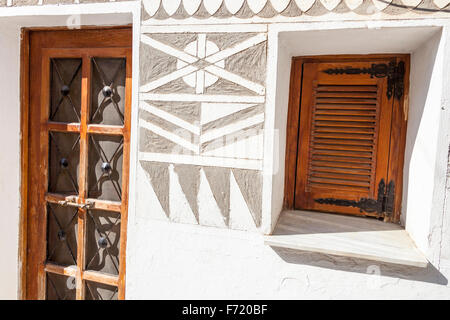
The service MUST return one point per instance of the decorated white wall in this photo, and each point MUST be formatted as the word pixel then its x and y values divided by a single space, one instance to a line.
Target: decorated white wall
pixel 200 261
pixel 210 84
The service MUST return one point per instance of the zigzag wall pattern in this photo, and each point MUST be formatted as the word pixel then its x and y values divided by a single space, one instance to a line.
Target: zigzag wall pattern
pixel 244 9
pixel 202 9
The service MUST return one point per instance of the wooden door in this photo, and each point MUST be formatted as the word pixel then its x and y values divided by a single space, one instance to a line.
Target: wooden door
pixel 346 126
pixel 78 163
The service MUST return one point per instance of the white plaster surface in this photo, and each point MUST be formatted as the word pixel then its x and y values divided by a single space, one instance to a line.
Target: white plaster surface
pixel 9 162
pixel 11 20
pixel 420 179
pixel 171 260
pixel 198 262
pixel 186 261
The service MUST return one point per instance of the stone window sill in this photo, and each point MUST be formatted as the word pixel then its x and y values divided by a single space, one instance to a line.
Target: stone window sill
pixel 348 236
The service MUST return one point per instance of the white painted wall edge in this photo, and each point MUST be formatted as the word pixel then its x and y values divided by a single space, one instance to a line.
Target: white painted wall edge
pixel 14 18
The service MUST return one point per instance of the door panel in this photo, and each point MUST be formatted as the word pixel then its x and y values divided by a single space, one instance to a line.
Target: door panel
pixel 65 90
pixel 79 161
pixel 344 137
pixel 108 91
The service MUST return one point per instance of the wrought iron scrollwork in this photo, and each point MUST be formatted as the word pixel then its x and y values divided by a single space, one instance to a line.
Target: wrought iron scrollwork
pixel 383 204
pixel 393 71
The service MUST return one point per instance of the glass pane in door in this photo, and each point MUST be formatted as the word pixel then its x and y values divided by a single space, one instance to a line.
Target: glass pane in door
pixel 103 241
pixel 65 90
pixel 62 228
pixel 108 91
pixel 64 159
pixel 100 291
pixel 105 167
pixel 60 287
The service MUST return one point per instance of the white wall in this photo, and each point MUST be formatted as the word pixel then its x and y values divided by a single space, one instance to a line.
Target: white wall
pixel 178 261
pixel 420 178
pixel 11 21
pixel 197 262
pixel 9 160
pixel 169 260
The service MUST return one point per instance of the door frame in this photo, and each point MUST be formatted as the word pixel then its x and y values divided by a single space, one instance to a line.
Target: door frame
pixel 398 128
pixel 24 149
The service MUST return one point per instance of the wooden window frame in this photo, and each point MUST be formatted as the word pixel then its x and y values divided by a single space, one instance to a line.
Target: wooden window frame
pixel 25 123
pixel 398 131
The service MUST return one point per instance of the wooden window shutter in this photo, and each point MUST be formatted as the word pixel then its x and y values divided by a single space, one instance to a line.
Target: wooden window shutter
pixel 344 136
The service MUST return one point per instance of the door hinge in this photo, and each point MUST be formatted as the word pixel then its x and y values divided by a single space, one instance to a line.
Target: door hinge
pixel 389 197
pixel 382 206
pixel 395 72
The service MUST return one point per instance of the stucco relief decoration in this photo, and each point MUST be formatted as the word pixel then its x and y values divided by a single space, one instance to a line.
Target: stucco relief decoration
pixel 202 99
pixel 182 9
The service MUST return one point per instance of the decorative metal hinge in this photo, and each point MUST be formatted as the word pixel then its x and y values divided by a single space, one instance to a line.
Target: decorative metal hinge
pixel 383 205
pixel 393 71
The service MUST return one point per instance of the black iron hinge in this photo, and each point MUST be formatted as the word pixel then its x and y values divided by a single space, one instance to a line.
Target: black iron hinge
pixel 382 206
pixel 395 72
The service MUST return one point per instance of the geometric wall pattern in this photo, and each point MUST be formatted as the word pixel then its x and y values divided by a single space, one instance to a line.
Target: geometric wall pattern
pixel 201 9
pixel 211 196
pixel 201 121
pixel 182 9
pixel 202 100
pixel 202 97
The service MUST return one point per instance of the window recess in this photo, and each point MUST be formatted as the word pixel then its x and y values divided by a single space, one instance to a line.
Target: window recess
pixel 346 134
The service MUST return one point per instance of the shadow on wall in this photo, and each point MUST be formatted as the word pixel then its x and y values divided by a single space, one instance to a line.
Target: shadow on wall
pixel 310 222
pixel 429 274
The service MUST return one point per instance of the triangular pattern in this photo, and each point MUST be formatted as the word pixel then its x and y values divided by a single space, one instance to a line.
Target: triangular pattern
pixel 201 63
pixel 214 111
pixel 240 215
pixel 210 213
pixel 180 209
pixel 219 182
pixel 188 178
pixel 250 185
pixel 263 8
pixel 156 206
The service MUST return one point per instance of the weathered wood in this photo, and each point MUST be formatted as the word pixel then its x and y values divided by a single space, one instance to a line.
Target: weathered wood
pixel 70 271
pixel 83 173
pixel 101 277
pixel 63 127
pixel 85 44
pixel 24 123
pixel 125 175
pixel 105 129
pixel 339 133
pixel 293 118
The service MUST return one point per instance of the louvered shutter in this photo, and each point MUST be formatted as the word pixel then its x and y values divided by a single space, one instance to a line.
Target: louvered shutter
pixel 344 137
